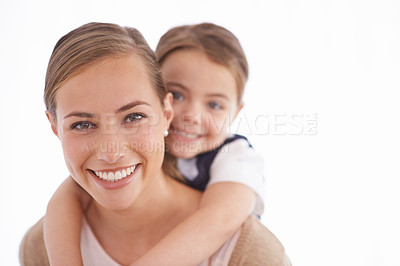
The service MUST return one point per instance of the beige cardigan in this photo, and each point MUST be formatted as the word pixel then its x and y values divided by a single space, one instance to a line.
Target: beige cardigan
pixel 256 246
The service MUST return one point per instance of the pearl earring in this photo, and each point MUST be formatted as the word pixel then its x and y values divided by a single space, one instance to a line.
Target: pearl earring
pixel 165 133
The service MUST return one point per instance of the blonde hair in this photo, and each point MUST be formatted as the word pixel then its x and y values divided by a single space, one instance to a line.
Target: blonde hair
pixel 92 43
pixel 219 44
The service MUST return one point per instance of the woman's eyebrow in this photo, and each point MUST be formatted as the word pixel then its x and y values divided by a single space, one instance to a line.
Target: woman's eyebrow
pixel 79 114
pixel 121 109
pixel 131 105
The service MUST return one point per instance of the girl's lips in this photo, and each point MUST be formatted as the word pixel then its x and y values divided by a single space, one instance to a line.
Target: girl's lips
pixel 185 137
pixel 114 179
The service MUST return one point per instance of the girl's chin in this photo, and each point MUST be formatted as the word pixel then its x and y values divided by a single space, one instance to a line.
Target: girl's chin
pixel 184 154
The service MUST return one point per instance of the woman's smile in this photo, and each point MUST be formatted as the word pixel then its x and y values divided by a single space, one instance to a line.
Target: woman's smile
pixel 111 109
pixel 112 175
pixel 115 179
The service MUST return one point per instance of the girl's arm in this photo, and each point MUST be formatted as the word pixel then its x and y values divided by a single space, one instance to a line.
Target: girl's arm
pixel 62 224
pixel 223 208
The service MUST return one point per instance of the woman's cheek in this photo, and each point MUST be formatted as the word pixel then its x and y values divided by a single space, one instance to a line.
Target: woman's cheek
pixel 146 140
pixel 76 149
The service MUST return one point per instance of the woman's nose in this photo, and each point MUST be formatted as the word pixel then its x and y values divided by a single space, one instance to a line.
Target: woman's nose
pixel 110 150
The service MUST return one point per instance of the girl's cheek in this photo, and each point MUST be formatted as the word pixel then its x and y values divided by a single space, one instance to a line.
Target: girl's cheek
pixel 216 124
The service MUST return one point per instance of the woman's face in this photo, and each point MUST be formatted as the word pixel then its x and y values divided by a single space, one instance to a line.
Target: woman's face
pixel 205 102
pixel 110 123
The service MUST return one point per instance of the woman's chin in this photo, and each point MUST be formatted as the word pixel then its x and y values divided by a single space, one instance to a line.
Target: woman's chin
pixel 115 195
pixel 116 203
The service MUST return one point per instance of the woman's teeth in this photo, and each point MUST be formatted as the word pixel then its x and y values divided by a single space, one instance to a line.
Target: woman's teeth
pixel 115 176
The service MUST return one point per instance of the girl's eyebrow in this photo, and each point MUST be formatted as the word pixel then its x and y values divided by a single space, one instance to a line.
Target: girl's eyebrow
pixel 176 85
pixel 220 95
pixel 119 110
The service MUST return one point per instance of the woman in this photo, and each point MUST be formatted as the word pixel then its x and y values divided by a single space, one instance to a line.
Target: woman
pixel 107 104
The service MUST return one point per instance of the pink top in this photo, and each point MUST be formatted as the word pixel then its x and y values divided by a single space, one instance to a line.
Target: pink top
pixel 94 254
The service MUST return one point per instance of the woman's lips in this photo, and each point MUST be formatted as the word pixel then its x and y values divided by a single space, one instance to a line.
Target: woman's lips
pixel 117 175
pixel 115 179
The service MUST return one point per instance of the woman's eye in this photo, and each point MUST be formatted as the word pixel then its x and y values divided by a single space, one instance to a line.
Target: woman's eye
pixel 83 125
pixel 214 105
pixel 134 117
pixel 177 96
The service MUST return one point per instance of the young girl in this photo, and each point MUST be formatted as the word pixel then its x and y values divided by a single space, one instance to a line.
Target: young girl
pixel 205 69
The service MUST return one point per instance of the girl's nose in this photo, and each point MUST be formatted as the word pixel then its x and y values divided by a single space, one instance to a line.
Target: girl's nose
pixel 192 113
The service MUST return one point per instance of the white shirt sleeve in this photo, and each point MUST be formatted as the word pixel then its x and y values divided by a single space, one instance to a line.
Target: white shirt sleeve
pixel 239 163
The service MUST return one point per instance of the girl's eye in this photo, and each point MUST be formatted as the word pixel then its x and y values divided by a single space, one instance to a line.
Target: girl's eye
pixel 214 105
pixel 83 125
pixel 134 117
pixel 177 96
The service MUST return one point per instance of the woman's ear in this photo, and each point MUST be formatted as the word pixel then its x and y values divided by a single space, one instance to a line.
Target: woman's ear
pixel 168 111
pixel 52 121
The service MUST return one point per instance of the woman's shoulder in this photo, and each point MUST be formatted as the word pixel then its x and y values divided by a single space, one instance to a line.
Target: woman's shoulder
pixel 32 251
pixel 258 246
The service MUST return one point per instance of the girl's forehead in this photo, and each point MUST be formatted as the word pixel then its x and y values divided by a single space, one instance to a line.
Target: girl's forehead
pixel 193 69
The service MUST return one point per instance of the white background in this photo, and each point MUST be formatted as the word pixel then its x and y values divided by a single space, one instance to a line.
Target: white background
pixel 332 189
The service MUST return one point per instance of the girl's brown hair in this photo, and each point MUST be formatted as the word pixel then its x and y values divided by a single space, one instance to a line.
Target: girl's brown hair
pixel 92 43
pixel 218 43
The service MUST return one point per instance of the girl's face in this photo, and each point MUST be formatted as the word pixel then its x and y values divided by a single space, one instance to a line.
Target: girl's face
pixel 110 123
pixel 205 102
